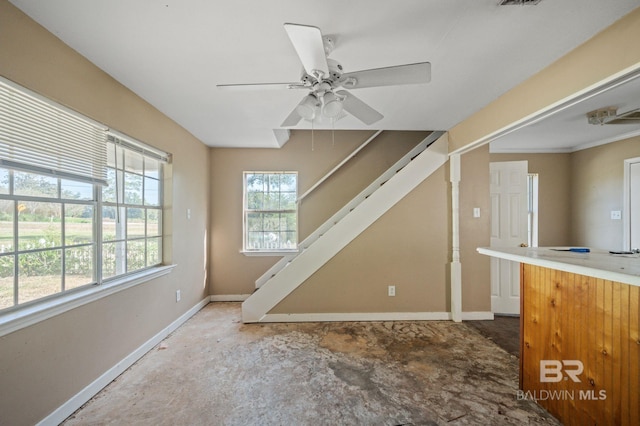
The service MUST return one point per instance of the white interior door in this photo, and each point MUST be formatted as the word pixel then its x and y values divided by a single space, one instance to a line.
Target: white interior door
pixel 634 204
pixel 508 229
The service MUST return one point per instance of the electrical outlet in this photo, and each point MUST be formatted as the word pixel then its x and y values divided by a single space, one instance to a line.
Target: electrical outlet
pixel 178 295
pixel 392 290
pixel 189 214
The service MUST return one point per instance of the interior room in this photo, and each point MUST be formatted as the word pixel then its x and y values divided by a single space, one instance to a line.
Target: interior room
pixel 263 214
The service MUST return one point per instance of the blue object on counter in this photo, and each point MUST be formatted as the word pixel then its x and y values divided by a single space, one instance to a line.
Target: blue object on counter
pixel 575 250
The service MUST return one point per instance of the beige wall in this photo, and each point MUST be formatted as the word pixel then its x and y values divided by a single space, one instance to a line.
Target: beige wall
pixel 44 365
pixel 554 204
pixel 406 247
pixel 234 273
pixel 475 232
pixel 577 193
pixel 597 188
pixel 606 54
pixel 409 247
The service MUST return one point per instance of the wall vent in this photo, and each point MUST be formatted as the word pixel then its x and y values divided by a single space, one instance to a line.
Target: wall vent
pixel 518 2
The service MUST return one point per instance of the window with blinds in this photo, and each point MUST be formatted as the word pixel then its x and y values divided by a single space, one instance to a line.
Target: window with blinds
pixel 37 135
pixel 80 204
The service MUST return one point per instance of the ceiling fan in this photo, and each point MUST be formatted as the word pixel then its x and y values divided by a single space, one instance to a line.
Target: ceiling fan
pixel 327 99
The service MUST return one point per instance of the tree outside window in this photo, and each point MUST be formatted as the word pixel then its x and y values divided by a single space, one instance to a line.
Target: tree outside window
pixel 270 211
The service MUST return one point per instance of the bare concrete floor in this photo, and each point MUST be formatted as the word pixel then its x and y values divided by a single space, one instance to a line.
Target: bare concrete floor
pixel 504 331
pixel 214 370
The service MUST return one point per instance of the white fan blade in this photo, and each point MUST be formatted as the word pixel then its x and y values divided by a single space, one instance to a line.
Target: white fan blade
pixel 389 76
pixel 293 119
pixel 307 41
pixel 359 109
pixel 261 86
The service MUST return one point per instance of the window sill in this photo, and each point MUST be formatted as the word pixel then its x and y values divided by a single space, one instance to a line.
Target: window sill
pixel 19 318
pixel 252 253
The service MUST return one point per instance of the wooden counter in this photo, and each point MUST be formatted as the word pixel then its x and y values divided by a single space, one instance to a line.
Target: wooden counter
pixel 579 308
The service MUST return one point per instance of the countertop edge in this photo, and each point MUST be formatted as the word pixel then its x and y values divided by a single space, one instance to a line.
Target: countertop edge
pixel 562 266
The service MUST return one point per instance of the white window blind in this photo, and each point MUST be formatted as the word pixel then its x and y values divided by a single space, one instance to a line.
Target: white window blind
pixel 137 146
pixel 39 135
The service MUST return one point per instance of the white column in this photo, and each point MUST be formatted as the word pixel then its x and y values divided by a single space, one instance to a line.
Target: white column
pixel 456 266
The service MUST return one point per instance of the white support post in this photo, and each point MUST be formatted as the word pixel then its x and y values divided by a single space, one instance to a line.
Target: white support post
pixel 456 266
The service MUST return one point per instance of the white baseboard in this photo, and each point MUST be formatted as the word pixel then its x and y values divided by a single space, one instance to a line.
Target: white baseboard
pixel 374 316
pixel 75 402
pixel 229 297
pixel 477 316
pixel 358 316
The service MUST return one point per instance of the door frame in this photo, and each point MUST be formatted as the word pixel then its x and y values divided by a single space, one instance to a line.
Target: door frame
pixel 626 215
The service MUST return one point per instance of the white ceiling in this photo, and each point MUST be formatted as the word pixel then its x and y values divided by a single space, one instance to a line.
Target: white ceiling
pixel 569 130
pixel 173 53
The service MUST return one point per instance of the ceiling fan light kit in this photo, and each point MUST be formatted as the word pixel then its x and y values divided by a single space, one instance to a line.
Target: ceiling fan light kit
pixel 323 77
pixel 331 105
pixel 308 106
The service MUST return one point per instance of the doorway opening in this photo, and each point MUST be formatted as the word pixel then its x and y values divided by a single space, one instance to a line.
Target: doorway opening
pixel 631 235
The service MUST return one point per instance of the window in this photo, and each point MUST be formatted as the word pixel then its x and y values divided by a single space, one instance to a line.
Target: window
pixel 47 236
pixel 50 227
pixel 131 211
pixel 80 205
pixel 270 211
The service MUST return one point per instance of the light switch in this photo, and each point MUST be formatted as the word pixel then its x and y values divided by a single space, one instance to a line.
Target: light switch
pixel 616 214
pixel 476 212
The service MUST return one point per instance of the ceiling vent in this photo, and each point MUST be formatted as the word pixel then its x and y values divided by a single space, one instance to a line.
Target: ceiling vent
pixel 518 2
pixel 610 116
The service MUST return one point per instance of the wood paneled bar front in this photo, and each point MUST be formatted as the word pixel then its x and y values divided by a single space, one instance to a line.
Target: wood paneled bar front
pixel 579 333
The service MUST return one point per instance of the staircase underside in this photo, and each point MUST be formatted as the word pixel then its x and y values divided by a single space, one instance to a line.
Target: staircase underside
pixel 346 230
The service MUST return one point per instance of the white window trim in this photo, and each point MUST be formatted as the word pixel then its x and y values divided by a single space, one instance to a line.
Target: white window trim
pixel 25 316
pixel 266 252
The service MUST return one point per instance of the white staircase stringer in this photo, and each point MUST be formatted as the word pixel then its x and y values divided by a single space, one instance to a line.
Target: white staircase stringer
pixel 345 231
pixel 350 206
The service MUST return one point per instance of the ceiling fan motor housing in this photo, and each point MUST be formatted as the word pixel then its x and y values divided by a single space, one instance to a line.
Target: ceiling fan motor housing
pixel 335 72
pixel 335 69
